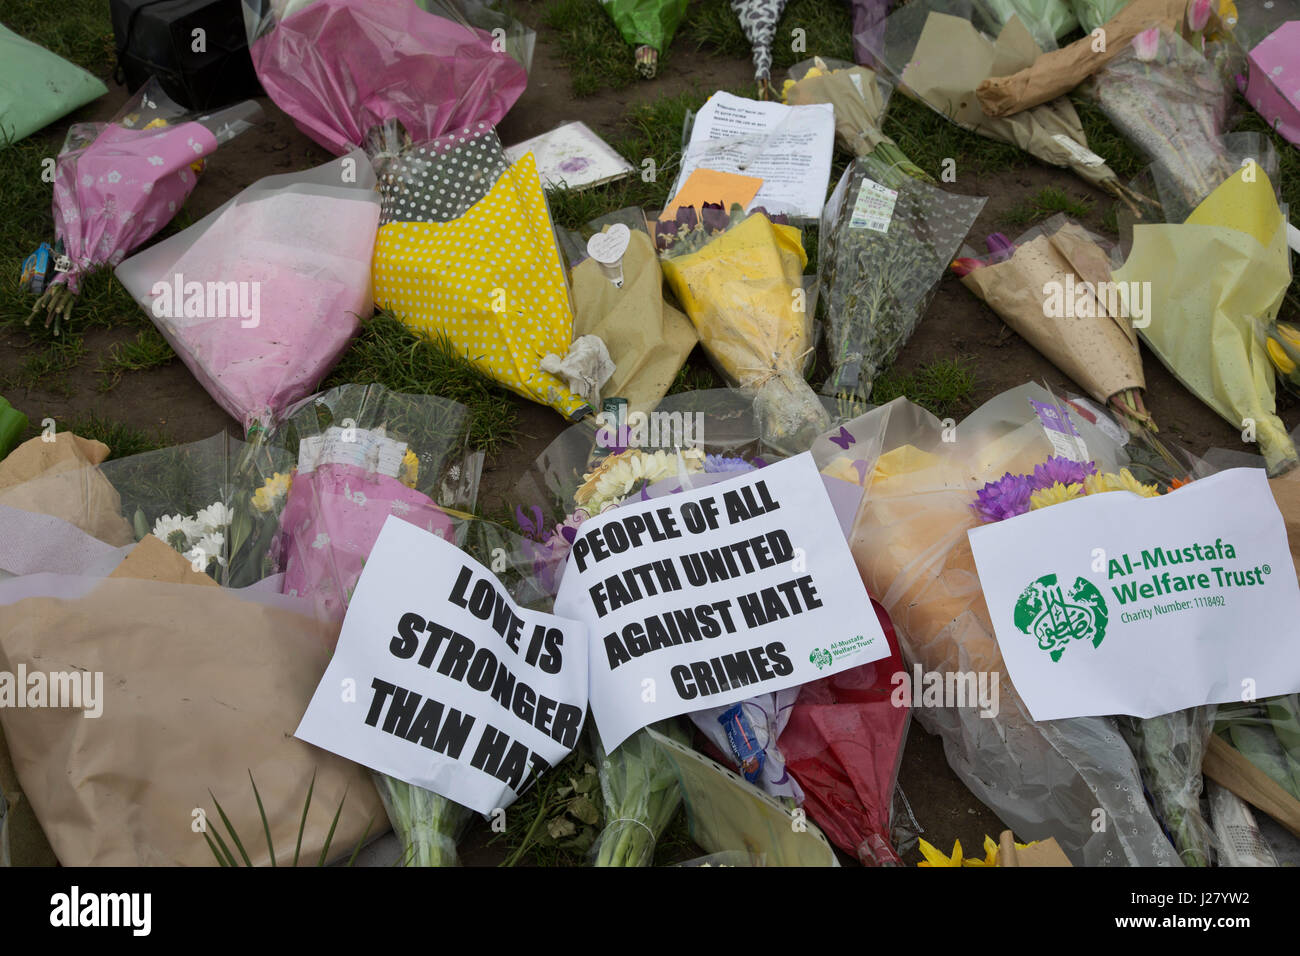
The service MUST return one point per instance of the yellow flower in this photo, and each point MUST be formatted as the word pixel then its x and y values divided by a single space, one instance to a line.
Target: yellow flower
pixel 934 857
pixel 1054 495
pixel 409 471
pixel 991 849
pixel 1277 353
pixel 1124 481
pixel 266 497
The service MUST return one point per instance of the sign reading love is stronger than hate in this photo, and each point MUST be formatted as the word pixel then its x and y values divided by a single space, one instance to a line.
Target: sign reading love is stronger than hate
pixel 1117 604
pixel 455 688
pixel 713 595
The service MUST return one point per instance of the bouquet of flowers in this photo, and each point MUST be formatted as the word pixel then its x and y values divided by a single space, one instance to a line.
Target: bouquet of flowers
pixel 739 279
pixel 262 296
pixel 380 74
pixel 910 543
pixel 884 251
pixel 859 97
pixel 118 183
pixel 649 27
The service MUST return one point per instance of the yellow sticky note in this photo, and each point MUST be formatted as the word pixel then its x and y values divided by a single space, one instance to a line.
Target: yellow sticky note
pixel 710 185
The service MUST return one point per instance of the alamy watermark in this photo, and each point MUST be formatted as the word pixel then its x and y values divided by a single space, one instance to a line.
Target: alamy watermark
pixel 78 690
pixel 649 430
pixel 179 299
pixel 1085 300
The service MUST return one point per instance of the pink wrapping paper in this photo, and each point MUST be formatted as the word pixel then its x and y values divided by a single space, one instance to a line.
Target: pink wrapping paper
pixel 1273 87
pixel 342 67
pixel 121 189
pixel 331 520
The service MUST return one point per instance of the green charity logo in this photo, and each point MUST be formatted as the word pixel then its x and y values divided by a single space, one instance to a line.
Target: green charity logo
pixel 1055 617
pixel 822 658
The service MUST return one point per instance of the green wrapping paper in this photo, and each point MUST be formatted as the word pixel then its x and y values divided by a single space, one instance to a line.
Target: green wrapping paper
pixel 648 25
pixel 12 425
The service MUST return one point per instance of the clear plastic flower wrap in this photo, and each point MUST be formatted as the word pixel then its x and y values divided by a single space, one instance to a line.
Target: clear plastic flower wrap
pixel 1043 778
pixel 1170 748
pixel 261 296
pixel 886 241
pixel 641 794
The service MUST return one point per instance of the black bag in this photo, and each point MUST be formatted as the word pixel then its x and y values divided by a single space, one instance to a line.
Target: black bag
pixel 157 38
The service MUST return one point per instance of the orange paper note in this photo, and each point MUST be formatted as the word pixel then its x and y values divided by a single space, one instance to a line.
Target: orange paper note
pixel 710 185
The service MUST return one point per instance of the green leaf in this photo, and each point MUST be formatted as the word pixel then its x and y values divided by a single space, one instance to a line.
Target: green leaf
pixel 329 837
pixel 302 824
pixel 266 824
pixel 231 830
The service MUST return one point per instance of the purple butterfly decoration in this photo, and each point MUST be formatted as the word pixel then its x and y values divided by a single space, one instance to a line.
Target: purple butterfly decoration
pixel 844 439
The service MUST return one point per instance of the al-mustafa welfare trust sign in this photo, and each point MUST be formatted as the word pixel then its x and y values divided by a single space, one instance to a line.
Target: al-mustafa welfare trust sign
pixel 1117 604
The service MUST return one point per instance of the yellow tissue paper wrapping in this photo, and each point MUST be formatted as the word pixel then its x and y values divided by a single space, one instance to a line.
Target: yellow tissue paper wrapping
pixel 492 282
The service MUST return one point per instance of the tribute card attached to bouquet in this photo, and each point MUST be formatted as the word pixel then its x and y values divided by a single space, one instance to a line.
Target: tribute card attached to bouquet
pixel 441 680
pixel 1118 604
pixel 714 595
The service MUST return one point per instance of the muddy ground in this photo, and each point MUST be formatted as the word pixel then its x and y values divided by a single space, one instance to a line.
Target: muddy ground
pixel 168 401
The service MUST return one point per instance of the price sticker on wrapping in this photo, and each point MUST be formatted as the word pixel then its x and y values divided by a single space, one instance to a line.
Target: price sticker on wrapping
pixel 441 680
pixel 714 595
pixel 874 208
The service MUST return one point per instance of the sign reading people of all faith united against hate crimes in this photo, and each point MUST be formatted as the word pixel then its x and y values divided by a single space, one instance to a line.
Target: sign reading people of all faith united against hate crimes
pixel 454 687
pixel 714 595
pixel 1118 604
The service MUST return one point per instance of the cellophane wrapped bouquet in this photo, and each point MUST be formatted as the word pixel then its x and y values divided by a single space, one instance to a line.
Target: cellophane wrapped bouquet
pixel 923 492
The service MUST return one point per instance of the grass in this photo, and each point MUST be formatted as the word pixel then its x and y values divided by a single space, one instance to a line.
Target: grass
pixel 122 440
pixel 389 353
pixel 943 387
pixel 1047 202
pixel 806 29
pixel 147 350
pixel 929 140
pixel 590 46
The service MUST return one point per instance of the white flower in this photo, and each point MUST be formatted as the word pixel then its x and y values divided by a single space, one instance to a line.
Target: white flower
pixel 322 539
pixel 114 177
pixel 208 548
pixel 214 517
pixel 168 525
pixel 400 507
pixel 197 147
pixel 155 160
pixel 146 188
pixel 184 176
pixel 87 180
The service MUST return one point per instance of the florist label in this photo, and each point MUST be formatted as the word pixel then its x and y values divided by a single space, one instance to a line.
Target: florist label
pixel 711 596
pixel 1117 604
pixel 441 680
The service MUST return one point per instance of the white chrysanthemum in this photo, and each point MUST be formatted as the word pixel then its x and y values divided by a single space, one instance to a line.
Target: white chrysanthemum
pixel 172 529
pixel 214 517
pixel 211 547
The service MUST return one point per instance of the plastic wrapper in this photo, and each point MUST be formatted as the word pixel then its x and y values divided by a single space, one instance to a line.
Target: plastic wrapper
pixel 739 279
pixel 379 74
pixel 201 688
pixel 39 87
pixel 648 26
pixel 118 183
pixel 483 269
pixel 844 744
pixel 739 824
pixel 747 734
pixel 884 251
pixel 868 28
pixel 1209 279
pixel 359 453
pixel 1043 779
pixel 1174 109
pixel 1169 749
pixel 758 20
pixel 1046 20
pixel 641 794
pixel 283 275
pixel 859 98
pixel 1057 72
pixel 1237 836
pixel 1267 733
pixel 936 55
pixel 1091 14
pixel 1051 291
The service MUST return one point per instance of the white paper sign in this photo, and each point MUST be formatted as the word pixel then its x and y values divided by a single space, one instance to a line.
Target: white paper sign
pixel 788 147
pixel 1117 604
pixel 441 680
pixel 715 595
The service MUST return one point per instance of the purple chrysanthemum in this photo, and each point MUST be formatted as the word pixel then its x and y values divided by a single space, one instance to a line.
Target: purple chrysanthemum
pixel 1004 498
pixel 717 464
pixel 1063 470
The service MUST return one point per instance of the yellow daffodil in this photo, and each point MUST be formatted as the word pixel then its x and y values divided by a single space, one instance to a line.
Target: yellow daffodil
pixel 935 857
pixel 409 471
pixel 1124 481
pixel 1281 361
pixel 276 487
pixel 1054 495
pixel 990 854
